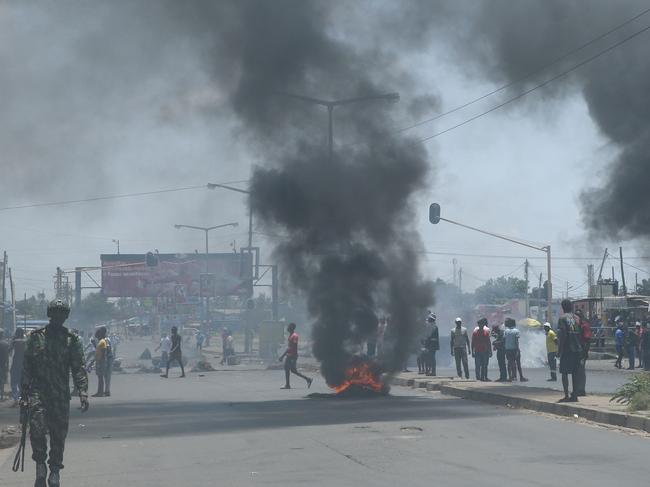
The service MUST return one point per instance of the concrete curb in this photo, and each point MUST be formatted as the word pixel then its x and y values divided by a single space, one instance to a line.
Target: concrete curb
pixel 597 415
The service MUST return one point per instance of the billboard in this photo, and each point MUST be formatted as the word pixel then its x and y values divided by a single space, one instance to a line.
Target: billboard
pixel 182 277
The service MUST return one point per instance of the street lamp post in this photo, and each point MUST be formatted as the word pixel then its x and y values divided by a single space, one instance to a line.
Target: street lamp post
pixel 434 217
pixel 331 104
pixel 207 249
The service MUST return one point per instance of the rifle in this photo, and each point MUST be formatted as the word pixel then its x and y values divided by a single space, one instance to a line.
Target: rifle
pixel 25 416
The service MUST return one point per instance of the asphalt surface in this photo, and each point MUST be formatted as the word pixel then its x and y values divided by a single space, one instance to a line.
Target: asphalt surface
pixel 237 428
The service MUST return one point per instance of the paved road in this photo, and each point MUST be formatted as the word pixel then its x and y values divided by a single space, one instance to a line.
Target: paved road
pixel 239 429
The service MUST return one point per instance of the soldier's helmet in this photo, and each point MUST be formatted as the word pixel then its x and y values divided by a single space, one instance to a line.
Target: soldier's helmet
pixel 58 306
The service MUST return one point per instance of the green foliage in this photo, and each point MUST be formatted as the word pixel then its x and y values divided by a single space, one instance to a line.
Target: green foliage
pixel 95 308
pixel 635 393
pixel 35 307
pixel 499 290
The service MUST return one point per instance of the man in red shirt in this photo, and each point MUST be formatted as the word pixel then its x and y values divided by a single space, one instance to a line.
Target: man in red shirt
pixel 481 349
pixel 290 357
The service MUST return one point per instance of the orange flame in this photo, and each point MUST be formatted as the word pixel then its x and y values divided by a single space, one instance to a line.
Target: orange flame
pixel 361 375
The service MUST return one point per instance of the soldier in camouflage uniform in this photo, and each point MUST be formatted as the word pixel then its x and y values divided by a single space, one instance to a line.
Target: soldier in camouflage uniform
pixel 51 354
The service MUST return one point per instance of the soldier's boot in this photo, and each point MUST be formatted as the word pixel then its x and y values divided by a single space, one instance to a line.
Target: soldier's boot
pixel 53 479
pixel 41 474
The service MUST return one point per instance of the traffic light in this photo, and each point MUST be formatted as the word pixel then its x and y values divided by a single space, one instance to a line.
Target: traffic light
pixel 434 213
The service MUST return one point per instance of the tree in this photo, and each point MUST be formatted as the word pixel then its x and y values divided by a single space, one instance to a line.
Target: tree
pixel 96 307
pixel 499 290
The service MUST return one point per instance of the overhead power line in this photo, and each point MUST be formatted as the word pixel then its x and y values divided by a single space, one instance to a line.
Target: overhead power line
pixel 111 197
pixel 540 85
pixel 529 75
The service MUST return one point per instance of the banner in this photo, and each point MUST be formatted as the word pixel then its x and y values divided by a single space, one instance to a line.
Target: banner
pixel 181 277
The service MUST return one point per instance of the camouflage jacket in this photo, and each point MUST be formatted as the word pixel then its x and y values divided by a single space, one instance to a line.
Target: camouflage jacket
pixel 50 356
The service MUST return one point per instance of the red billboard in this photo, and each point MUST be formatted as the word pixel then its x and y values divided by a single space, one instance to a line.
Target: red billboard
pixel 183 277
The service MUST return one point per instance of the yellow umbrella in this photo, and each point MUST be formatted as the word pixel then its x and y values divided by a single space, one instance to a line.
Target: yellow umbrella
pixel 529 323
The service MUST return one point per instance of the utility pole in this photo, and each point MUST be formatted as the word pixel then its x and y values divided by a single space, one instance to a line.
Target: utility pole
pixel 527 296
pixel 460 280
pixel 13 302
pixel 539 295
pixel 636 282
pixel 454 262
pixel 590 280
pixel 4 289
pixel 620 250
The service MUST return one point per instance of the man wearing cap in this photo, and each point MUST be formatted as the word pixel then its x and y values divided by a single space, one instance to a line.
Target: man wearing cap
pixel 481 349
pixel 460 347
pixel 551 351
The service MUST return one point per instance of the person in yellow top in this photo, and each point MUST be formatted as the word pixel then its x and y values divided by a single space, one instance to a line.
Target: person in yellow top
pixel 103 363
pixel 551 350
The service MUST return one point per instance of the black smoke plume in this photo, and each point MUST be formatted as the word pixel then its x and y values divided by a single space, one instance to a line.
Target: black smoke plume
pixel 348 221
pixel 510 40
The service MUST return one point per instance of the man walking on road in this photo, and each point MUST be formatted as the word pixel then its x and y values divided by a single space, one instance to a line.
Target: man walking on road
pixel 18 349
pixel 164 346
pixel 290 357
pixel 460 347
pixel 551 351
pixel 481 349
pixel 570 350
pixel 499 346
pixel 51 354
pixel 175 353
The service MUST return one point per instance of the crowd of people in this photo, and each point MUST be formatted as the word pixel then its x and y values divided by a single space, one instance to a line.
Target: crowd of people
pixel 569 343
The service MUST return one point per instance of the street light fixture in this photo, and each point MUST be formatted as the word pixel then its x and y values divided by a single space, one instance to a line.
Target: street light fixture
pixel 331 104
pixel 434 218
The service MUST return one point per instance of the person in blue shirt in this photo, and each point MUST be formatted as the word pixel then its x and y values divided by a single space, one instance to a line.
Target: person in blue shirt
pixel 619 338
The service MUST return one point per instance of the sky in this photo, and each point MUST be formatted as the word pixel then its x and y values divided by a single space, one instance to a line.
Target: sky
pixel 104 100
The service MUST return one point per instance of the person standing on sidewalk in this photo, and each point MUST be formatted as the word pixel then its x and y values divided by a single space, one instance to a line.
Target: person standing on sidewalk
pixel 481 349
pixel 460 347
pixel 102 363
pixel 585 339
pixel 511 339
pixel 551 351
pixel 432 343
pixel 499 346
pixel 619 339
pixel 175 353
pixel 570 350
pixel 630 347
pixel 638 331
pixel 290 357
pixel 645 347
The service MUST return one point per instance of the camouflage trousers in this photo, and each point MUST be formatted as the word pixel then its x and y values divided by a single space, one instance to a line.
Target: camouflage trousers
pixel 48 417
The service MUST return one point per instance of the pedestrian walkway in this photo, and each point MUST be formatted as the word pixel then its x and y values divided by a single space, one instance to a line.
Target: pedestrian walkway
pixel 593 407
